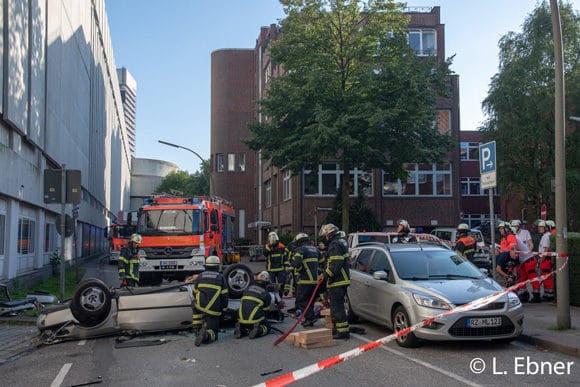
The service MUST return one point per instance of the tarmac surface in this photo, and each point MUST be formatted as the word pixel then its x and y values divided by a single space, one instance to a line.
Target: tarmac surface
pixel 17 333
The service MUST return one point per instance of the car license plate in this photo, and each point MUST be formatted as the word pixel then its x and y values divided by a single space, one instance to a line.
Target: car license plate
pixel 484 322
pixel 166 265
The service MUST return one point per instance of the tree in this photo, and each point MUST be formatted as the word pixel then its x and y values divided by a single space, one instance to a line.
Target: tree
pixel 362 218
pixel 520 109
pixel 352 91
pixel 190 185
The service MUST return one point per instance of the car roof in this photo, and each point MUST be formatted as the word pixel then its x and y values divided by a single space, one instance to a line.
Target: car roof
pixel 413 246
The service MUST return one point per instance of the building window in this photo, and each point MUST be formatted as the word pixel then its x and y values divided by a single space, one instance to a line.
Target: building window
pixel 470 186
pixel 268 188
pixel 474 220
pixel 423 180
pixel 231 162
pixel 287 185
pixel 469 150
pixel 328 180
pixel 219 162
pixel 242 162
pixel 443 121
pixel 423 42
pixel 2 232
pixel 25 236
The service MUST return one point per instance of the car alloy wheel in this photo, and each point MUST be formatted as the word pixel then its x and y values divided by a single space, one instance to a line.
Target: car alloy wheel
pixel 401 321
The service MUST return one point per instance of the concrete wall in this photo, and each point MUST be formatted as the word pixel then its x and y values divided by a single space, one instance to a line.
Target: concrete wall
pixel 60 105
pixel 146 175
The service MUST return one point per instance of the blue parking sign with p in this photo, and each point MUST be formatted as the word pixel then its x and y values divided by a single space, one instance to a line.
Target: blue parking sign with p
pixel 487 158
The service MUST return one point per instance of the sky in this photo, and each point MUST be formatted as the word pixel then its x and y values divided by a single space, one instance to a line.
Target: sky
pixel 167 46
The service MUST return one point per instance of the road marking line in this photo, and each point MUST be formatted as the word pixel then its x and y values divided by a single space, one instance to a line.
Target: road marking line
pixel 82 342
pixel 61 375
pixel 423 363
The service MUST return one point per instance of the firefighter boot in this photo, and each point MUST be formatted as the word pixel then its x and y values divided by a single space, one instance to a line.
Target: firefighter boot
pixel 536 297
pixel 202 336
pixel 238 331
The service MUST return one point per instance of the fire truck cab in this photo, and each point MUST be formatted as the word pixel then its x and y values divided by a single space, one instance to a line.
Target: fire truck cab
pixel 179 233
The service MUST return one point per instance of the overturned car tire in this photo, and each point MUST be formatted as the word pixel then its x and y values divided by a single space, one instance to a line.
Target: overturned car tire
pixel 239 277
pixel 91 302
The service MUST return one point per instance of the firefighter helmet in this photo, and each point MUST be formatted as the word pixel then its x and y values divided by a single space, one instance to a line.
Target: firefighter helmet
pixel 542 223
pixel 212 260
pixel 515 223
pixel 136 238
pixel 502 225
pixel 273 237
pixel 463 227
pixel 405 224
pixel 300 236
pixel 263 276
pixel 551 224
pixel 328 230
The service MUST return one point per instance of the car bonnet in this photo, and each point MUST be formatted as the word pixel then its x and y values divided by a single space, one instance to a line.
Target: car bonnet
pixel 456 291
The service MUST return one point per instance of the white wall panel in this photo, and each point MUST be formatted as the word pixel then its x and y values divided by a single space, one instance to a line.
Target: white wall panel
pixel 16 107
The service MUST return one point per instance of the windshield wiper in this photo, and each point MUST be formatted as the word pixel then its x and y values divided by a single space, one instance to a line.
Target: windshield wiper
pixel 452 276
pixel 414 278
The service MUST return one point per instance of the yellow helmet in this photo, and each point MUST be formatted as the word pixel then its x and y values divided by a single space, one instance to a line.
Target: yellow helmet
pixel 212 260
pixel 300 236
pixel 404 223
pixel 463 227
pixel 136 238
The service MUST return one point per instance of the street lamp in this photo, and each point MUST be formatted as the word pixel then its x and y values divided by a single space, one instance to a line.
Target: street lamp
pixel 195 153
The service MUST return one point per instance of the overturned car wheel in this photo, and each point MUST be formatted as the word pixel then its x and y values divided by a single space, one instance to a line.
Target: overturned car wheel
pixel 239 277
pixel 91 302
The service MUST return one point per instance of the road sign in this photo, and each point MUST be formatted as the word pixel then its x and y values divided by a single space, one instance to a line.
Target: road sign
pixel 487 158
pixel 487 165
pixel 543 212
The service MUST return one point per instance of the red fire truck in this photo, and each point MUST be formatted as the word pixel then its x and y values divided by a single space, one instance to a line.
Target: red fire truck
pixel 179 233
pixel 118 234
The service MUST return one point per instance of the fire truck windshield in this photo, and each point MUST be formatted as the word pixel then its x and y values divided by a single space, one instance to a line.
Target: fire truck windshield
pixel 170 222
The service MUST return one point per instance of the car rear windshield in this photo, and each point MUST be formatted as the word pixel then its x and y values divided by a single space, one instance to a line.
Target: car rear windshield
pixel 424 265
pixel 373 238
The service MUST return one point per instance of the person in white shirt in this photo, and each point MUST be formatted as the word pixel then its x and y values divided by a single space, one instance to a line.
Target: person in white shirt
pixel 546 260
pixel 527 268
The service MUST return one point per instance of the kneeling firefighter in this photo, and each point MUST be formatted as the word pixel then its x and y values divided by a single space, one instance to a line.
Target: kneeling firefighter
pixel 251 315
pixel 211 300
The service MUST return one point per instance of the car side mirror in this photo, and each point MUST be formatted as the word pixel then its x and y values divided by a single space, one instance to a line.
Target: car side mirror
pixel 381 275
pixel 484 271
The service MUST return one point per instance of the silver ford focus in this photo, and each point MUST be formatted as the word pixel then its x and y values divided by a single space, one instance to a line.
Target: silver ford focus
pixel 399 285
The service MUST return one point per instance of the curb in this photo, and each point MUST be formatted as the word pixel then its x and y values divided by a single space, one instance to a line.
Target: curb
pixel 550 345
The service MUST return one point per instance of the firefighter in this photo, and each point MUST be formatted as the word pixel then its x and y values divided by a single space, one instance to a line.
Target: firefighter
pixel 528 263
pixel 290 284
pixel 507 241
pixel 505 267
pixel 546 260
pixel 211 300
pixel 465 244
pixel 306 260
pixel 276 261
pixel 129 262
pixel 251 315
pixel 552 225
pixel 403 233
pixel 337 278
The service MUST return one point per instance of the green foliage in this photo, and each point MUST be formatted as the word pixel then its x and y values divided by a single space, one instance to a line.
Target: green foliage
pixel 55 260
pixel 51 285
pixel 350 91
pixel 362 218
pixel 286 238
pixel 189 184
pixel 520 109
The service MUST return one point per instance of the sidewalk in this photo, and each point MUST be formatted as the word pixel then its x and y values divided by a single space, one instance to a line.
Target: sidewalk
pixel 539 323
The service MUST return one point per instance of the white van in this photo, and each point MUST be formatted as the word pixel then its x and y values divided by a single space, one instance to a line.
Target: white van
pixel 450 234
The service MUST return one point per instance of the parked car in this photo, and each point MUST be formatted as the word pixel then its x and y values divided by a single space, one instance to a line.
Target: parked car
pixel 356 238
pixel 481 257
pixel 399 285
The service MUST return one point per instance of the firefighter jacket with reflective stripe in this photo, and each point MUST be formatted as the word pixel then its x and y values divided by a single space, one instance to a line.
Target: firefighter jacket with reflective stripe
pixel 211 293
pixel 129 263
pixel 276 258
pixel 506 243
pixel 306 260
pixel 254 301
pixel 337 269
pixel 466 246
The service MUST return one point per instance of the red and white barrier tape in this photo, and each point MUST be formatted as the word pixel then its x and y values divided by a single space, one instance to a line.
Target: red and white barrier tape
pixel 302 373
pixel 544 254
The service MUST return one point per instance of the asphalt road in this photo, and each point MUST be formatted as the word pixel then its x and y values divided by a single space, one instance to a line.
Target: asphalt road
pixel 240 362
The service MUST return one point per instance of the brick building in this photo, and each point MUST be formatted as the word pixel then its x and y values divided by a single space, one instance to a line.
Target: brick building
pixel 265 195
